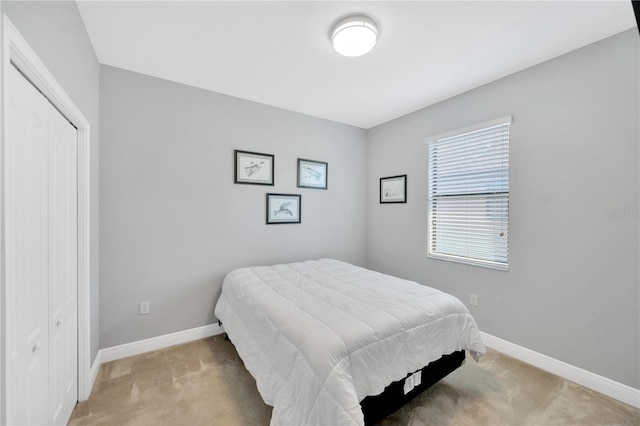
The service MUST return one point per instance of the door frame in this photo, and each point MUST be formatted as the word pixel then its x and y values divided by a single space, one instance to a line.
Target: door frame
pixel 16 50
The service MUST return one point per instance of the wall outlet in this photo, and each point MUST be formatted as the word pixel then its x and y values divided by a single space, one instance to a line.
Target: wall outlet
pixel 145 307
pixel 473 299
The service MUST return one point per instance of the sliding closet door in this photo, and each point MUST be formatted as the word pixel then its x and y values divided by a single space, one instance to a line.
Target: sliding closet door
pixel 63 268
pixel 41 257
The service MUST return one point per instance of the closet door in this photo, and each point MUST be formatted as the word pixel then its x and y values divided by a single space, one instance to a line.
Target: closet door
pixel 41 257
pixel 27 250
pixel 63 268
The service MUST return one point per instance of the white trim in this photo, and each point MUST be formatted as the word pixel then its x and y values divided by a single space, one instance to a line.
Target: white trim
pixel 611 388
pixel 15 49
pixel 93 373
pixel 593 381
pixel 507 119
pixel 135 348
pixel 154 343
pixel 3 318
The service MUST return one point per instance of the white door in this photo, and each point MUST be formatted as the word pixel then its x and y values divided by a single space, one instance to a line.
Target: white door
pixel 63 268
pixel 26 196
pixel 41 257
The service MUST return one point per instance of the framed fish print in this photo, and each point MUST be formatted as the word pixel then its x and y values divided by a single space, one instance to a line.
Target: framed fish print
pixel 284 208
pixel 312 174
pixel 393 189
pixel 253 168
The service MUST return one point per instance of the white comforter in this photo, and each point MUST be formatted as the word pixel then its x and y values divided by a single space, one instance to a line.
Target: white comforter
pixel 320 336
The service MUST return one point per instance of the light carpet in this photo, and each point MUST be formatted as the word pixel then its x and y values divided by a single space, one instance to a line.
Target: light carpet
pixel 205 383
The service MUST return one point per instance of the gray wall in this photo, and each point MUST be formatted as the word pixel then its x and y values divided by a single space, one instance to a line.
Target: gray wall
pixel 572 290
pixel 55 30
pixel 172 221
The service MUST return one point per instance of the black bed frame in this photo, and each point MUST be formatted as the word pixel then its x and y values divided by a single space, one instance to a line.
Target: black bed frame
pixel 376 408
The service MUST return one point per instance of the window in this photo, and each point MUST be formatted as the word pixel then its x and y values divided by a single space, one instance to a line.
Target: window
pixel 469 195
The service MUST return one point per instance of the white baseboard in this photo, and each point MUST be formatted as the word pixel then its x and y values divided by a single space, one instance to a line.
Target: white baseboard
pixel 154 343
pixel 611 388
pixel 134 348
pixel 93 373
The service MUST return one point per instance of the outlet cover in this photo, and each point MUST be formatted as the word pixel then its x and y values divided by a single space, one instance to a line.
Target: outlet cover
pixel 473 299
pixel 144 308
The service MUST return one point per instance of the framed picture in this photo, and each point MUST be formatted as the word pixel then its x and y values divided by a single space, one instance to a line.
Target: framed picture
pixel 253 168
pixel 393 189
pixel 283 208
pixel 312 174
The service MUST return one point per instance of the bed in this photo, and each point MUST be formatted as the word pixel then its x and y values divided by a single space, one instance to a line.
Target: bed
pixel 323 338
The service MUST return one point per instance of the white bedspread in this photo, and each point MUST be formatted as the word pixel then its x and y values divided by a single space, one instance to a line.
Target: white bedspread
pixel 320 336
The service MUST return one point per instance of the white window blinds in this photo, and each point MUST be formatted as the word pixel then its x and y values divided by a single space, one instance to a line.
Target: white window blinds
pixel 469 196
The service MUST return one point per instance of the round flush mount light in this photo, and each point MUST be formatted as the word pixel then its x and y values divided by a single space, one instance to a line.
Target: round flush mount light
pixel 354 36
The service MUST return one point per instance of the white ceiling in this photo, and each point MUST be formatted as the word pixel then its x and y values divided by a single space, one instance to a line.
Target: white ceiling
pixel 279 53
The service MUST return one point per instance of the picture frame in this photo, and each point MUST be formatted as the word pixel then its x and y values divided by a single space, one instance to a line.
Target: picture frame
pixel 393 189
pixel 312 174
pixel 253 168
pixel 284 208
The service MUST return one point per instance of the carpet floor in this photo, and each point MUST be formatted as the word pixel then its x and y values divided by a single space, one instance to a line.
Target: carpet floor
pixel 205 383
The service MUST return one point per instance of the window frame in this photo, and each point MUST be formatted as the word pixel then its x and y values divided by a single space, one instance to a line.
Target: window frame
pixel 492 264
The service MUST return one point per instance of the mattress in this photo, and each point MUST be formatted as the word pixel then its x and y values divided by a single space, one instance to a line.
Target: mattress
pixel 320 336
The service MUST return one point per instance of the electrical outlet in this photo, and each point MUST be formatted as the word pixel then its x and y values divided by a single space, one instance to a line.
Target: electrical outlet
pixel 473 299
pixel 145 307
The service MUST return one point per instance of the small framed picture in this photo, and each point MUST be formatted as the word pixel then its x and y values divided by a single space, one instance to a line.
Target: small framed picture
pixel 284 208
pixel 253 168
pixel 312 174
pixel 393 189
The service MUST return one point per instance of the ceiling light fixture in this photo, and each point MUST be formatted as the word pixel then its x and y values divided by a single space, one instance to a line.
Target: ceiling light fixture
pixel 354 36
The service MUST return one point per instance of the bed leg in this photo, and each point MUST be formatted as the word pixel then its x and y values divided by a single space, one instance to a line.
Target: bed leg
pixel 226 336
